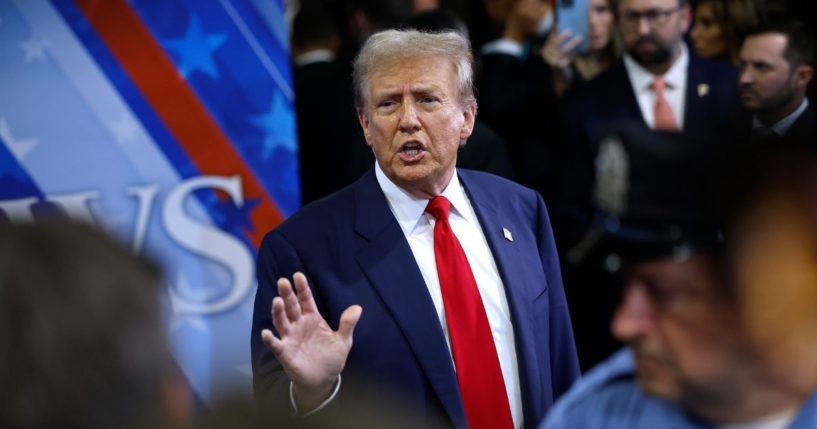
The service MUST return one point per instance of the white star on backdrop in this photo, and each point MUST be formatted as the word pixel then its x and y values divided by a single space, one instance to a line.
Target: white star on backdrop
pixel 19 147
pixel 124 129
pixel 34 49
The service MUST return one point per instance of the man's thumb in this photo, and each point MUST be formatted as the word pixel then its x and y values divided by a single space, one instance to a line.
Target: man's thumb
pixel 348 320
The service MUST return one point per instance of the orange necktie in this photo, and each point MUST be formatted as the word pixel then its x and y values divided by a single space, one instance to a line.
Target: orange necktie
pixel 664 120
pixel 472 344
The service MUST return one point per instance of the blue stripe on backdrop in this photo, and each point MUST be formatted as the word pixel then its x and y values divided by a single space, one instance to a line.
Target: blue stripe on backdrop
pixel 242 75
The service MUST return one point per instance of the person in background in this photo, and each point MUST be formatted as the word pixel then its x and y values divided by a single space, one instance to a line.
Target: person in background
pixel 331 150
pixel 776 68
pixel 570 68
pixel 658 89
pixel 442 285
pixel 82 340
pixel 513 84
pixel 721 25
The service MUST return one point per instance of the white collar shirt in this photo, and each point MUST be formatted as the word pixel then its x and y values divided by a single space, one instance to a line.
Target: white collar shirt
pixel 675 91
pixel 418 228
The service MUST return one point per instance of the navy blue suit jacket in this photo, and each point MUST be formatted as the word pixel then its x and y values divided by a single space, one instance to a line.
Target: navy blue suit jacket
pixel 607 104
pixel 353 251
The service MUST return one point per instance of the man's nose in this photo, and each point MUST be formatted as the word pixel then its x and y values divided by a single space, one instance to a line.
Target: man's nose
pixel 633 318
pixel 409 122
pixel 644 25
pixel 745 76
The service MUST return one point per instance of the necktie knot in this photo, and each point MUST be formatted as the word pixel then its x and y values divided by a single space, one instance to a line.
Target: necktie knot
pixel 438 207
pixel 658 85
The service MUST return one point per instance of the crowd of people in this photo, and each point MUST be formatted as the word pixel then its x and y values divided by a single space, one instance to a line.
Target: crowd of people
pixel 498 232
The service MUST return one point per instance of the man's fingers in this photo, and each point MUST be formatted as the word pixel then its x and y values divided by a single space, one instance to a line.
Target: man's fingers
pixel 348 321
pixel 279 317
pixel 305 298
pixel 291 306
pixel 271 341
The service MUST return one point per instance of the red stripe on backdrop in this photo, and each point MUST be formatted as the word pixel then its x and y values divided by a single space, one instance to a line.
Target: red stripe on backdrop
pixel 154 73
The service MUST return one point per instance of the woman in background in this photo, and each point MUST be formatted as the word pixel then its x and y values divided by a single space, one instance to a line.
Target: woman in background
pixel 721 25
pixel 569 67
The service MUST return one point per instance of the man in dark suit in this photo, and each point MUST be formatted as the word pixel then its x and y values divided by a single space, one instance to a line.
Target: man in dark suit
pixel 657 88
pixel 384 247
pixel 331 150
pixel 777 65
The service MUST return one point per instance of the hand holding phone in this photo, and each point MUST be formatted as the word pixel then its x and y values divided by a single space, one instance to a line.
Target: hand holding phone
pixel 572 19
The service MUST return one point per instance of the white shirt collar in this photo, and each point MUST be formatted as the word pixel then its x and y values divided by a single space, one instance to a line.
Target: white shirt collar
pixel 783 125
pixel 641 78
pixel 409 210
pixel 503 46
pixel 316 56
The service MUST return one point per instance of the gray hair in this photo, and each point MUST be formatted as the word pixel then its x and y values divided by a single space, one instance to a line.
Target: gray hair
pixel 390 46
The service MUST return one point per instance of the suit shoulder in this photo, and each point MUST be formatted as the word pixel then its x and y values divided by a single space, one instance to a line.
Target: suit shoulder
pixel 319 217
pixel 494 184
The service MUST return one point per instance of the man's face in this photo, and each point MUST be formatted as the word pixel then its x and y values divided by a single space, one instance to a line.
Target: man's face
pixel 681 329
pixel 766 78
pixel 414 121
pixel 652 30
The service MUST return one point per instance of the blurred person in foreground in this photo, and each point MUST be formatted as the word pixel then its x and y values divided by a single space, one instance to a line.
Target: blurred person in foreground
pixel 446 279
pixel 776 68
pixel 776 268
pixel 81 335
pixel 690 360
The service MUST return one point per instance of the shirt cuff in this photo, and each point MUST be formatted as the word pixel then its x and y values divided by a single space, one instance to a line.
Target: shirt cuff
pixel 316 409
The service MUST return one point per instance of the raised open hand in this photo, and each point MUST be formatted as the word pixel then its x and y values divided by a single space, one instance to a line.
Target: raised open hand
pixel 310 352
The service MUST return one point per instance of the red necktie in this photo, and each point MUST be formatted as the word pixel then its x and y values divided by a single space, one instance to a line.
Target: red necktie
pixel 664 119
pixel 472 344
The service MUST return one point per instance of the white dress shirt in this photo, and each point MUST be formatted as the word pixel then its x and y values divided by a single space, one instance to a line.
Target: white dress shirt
pixel 504 46
pixel 675 91
pixel 418 228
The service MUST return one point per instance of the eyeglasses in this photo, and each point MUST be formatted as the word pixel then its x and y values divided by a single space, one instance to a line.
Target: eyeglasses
pixel 654 17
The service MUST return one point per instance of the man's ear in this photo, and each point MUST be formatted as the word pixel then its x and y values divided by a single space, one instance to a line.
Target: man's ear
pixel 363 118
pixel 803 75
pixel 469 114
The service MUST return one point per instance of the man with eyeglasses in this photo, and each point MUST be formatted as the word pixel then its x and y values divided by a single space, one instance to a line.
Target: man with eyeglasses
pixel 662 88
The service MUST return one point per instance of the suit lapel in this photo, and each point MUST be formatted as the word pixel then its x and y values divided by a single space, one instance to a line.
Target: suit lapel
pixel 518 288
pixel 389 265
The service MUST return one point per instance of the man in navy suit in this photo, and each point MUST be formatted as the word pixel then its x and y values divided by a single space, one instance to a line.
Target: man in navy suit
pixel 369 262
pixel 659 88
pixel 777 65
